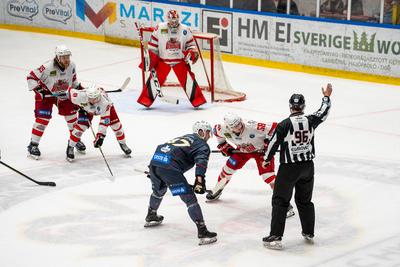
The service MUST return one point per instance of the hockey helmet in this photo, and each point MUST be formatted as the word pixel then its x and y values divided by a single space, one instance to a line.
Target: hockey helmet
pixel 297 102
pixel 173 20
pixel 62 50
pixel 232 120
pixel 93 93
pixel 202 125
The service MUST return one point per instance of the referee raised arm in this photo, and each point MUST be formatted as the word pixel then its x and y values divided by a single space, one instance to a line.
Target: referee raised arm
pixel 295 137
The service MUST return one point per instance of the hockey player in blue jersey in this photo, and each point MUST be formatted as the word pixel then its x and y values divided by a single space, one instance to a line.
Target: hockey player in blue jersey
pixel 167 167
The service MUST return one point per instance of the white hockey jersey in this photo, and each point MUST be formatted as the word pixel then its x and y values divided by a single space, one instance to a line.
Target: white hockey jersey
pixel 169 46
pixel 251 139
pixel 50 77
pixel 102 108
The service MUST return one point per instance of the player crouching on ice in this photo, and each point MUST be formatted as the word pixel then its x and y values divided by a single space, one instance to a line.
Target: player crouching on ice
pixel 171 44
pixel 95 101
pixel 251 140
pixel 169 162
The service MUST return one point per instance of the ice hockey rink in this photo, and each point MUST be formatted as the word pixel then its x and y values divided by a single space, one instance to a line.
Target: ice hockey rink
pixel 89 221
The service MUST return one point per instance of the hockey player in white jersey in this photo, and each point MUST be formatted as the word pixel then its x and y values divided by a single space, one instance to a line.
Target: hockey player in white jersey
pixel 50 83
pixel 94 101
pixel 242 140
pixel 170 45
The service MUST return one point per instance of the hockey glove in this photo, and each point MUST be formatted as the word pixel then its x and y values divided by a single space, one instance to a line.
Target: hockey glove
pixel 41 91
pixel 226 149
pixel 199 186
pixel 98 142
pixel 192 55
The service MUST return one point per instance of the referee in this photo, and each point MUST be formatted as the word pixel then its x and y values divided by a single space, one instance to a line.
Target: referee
pixel 295 136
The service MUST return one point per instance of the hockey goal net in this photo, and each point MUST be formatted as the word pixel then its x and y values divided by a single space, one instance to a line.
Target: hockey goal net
pixel 208 69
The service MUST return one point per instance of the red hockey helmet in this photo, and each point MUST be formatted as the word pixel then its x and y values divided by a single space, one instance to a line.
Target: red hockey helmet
pixel 173 19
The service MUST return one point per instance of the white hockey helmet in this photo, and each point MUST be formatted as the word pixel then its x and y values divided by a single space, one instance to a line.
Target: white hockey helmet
pixel 173 20
pixel 93 92
pixel 62 50
pixel 232 120
pixel 202 125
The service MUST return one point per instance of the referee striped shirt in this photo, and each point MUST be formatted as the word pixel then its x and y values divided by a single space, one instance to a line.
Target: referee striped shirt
pixel 295 135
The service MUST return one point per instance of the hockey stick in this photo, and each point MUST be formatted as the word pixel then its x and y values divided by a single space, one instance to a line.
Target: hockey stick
pixel 29 178
pixel 148 176
pixel 240 152
pixel 101 151
pixel 153 73
pixel 123 86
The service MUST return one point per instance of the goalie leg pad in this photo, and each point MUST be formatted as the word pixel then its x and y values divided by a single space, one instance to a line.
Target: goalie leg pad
pixel 188 82
pixel 149 92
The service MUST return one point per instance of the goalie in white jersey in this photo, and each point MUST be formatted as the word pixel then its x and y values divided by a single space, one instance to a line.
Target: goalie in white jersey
pixel 250 139
pixel 94 101
pixel 171 44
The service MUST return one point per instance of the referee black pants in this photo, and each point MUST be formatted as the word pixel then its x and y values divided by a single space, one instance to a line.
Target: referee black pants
pixel 299 176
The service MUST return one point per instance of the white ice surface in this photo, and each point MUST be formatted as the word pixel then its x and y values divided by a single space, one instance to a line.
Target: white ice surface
pixel 89 221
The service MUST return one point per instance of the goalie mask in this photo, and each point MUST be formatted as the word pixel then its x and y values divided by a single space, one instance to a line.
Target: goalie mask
pixel 297 102
pixel 63 55
pixel 173 20
pixel 93 94
pixel 205 127
pixel 234 123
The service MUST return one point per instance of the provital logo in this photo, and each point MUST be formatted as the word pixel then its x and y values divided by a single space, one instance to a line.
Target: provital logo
pixel 25 9
pixel 57 11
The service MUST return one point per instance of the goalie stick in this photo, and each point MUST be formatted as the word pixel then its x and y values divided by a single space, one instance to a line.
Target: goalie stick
pixel 153 73
pixel 27 177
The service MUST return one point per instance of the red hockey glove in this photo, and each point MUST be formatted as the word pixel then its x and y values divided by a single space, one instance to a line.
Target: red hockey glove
pixel 226 149
pixel 41 91
pixel 192 55
pixel 199 186
pixel 98 142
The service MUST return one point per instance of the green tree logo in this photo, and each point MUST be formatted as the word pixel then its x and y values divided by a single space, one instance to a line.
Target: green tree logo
pixel 363 44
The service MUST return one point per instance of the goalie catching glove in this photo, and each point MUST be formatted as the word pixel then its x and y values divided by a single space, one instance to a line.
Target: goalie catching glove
pixel 98 142
pixel 199 186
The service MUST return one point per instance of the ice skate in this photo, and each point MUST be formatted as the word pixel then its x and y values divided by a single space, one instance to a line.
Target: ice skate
pixel 213 196
pixel 290 211
pixel 70 153
pixel 273 242
pixel 126 149
pixel 308 237
pixel 152 219
pixel 205 237
pixel 33 151
pixel 80 147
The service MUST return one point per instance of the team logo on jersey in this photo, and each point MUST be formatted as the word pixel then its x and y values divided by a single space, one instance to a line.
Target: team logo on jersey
pixel 166 149
pixel 184 32
pixel 164 31
pixel 53 73
pixel 173 44
pixel 232 161
pixel 228 135
pixel 252 136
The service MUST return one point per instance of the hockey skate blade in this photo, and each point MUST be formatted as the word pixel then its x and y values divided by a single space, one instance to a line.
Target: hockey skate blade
pixel 69 160
pixel 152 224
pixel 33 157
pixel 207 241
pixel 290 213
pixel 83 152
pixel 275 245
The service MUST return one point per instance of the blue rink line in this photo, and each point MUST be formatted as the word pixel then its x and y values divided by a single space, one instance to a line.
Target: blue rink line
pixel 126 103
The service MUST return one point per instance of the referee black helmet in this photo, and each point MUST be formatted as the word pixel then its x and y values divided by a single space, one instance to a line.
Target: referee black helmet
pixel 297 102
